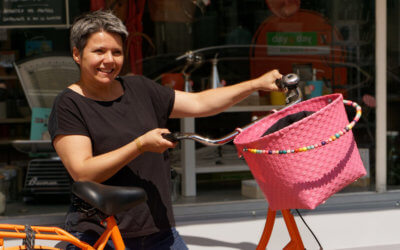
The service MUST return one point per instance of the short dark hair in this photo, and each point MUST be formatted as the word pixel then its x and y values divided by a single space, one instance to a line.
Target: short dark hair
pixel 92 22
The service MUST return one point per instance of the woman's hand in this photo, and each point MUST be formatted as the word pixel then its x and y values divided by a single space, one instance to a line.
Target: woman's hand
pixel 267 82
pixel 213 101
pixel 153 141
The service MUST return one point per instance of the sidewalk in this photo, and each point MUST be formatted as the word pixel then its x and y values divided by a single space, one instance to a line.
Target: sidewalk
pixel 364 230
pixel 365 221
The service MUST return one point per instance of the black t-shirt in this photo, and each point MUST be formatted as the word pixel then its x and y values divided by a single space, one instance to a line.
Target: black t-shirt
pixel 145 105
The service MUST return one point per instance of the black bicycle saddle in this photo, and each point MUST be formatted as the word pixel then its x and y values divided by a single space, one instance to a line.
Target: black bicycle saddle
pixel 108 199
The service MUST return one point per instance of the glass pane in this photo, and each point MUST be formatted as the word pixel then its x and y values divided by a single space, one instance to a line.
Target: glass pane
pixel 393 95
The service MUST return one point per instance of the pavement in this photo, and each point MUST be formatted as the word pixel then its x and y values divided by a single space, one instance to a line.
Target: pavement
pixel 363 222
pixel 361 230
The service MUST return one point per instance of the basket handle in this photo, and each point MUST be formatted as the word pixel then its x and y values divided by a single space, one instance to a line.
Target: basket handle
pixel 324 142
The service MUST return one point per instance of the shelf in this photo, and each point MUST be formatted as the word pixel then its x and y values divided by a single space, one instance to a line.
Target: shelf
pixel 226 166
pixel 351 22
pixel 252 108
pixel 351 43
pixel 15 120
pixel 9 141
pixel 8 77
pixel 393 98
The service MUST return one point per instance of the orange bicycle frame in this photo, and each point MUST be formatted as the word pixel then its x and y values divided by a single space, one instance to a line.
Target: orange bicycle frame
pixel 58 234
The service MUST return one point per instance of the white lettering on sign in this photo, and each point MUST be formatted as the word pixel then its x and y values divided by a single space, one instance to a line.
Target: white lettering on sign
pixel 303 39
pixel 277 39
pixel 13 11
pixel 53 18
pixel 45 11
pixel 13 19
pixel 297 50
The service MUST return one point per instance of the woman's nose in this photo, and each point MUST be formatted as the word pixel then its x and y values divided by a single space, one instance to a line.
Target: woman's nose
pixel 108 57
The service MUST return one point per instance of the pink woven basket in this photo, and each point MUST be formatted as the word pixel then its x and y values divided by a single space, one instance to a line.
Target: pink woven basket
pixel 303 164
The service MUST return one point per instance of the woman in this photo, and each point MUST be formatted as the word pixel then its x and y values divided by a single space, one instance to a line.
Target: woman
pixel 108 129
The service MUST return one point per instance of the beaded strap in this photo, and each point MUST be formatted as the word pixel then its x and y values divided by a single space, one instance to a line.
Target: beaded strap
pixel 332 138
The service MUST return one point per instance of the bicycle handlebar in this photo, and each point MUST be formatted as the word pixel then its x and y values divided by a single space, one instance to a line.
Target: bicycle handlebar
pixel 293 96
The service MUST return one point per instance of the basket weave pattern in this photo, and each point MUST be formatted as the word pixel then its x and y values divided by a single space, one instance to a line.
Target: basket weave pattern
pixel 306 179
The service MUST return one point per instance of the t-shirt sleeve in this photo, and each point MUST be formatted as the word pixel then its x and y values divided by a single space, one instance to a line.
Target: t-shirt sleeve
pixel 65 118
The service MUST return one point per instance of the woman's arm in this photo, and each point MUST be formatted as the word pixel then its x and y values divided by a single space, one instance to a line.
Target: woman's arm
pixel 214 101
pixel 75 151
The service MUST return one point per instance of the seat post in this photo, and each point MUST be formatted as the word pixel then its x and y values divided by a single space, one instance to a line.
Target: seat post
pixel 111 231
pixel 115 233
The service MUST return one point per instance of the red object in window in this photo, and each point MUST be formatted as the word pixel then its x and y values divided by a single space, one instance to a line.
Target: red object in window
pixel 97 4
pixel 266 56
pixel 173 80
pixel 135 28
pixel 283 8
pixel 133 23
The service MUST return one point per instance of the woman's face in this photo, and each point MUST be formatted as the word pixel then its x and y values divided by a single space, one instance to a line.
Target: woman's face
pixel 102 58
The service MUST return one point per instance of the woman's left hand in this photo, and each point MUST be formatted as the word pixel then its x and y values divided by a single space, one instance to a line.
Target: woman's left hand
pixel 153 141
pixel 267 82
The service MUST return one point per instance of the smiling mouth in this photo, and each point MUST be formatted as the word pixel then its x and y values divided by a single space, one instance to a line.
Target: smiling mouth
pixel 107 71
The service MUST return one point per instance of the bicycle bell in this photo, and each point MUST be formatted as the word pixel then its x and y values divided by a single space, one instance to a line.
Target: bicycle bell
pixel 288 81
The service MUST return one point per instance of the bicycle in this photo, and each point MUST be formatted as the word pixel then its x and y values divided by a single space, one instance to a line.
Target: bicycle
pixel 110 200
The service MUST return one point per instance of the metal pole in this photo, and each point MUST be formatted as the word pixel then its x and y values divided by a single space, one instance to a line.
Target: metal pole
pixel 381 95
pixel 188 159
pixel 67 21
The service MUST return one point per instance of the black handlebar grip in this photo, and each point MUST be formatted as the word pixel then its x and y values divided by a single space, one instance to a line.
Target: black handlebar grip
pixel 172 137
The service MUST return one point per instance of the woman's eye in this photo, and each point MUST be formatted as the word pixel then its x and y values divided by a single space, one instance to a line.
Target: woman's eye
pixel 117 53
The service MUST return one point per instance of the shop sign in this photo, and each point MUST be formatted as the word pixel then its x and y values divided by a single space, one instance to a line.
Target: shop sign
pixel 23 13
pixel 295 43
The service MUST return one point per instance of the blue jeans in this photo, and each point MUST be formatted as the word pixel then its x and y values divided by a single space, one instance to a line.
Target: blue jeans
pixel 163 240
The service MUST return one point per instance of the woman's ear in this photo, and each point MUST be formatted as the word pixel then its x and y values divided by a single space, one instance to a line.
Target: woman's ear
pixel 76 55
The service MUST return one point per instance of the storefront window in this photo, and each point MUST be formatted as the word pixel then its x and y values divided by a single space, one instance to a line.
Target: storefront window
pixel 329 44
